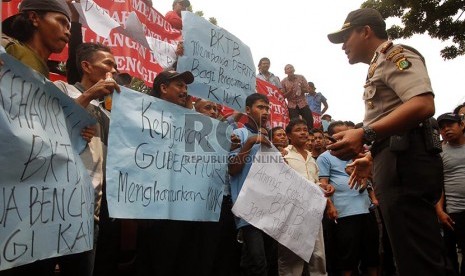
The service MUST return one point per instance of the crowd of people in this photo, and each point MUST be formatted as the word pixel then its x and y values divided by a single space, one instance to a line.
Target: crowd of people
pixel 395 204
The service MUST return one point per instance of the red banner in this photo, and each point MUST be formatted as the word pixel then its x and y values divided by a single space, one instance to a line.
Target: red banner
pixel 130 56
pixel 279 116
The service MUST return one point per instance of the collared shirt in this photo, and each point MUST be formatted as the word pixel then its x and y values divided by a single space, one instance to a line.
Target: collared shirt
pixel 305 167
pixel 396 75
pixel 296 89
pixel 271 79
pixel 314 101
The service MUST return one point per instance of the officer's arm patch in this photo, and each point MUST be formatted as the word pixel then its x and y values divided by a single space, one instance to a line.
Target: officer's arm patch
pixel 403 64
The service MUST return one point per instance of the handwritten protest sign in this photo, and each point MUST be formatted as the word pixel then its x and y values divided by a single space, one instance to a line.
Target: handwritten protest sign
pixel 46 196
pixel 164 161
pixel 221 64
pixel 282 203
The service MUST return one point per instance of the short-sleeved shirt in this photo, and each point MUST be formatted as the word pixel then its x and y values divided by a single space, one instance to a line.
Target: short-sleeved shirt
pixel 396 75
pixel 348 201
pixel 314 101
pixel 236 181
pixel 297 89
pixel 453 158
pixel 307 168
pixel 271 79
pixel 25 54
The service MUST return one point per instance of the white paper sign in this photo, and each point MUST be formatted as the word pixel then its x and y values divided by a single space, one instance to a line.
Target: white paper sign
pixel 282 203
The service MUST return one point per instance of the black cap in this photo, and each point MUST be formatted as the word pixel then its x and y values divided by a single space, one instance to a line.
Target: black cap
pixel 36 5
pixel 360 17
pixel 449 117
pixel 166 76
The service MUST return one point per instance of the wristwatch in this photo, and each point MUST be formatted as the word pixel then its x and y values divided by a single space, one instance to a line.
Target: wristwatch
pixel 369 135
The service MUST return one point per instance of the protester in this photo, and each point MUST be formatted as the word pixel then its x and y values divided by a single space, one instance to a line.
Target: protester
pixel 40 29
pixel 354 231
pixel 294 88
pixel 259 249
pixel 207 108
pixel 174 16
pixel 279 139
pixel 300 159
pixel 319 143
pixel 315 100
pixel 397 78
pixel 326 119
pixel 97 65
pixel 265 74
pixel 452 216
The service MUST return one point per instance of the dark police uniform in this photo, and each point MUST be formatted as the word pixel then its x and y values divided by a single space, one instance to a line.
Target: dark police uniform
pixel 407 177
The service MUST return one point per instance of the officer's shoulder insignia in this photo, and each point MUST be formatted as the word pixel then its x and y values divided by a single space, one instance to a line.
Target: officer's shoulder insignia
pixel 372 69
pixel 394 52
pixel 386 47
pixel 403 64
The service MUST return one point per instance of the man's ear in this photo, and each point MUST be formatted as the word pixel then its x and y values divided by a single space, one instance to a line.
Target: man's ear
pixel 163 87
pixel 34 18
pixel 86 66
pixel 247 110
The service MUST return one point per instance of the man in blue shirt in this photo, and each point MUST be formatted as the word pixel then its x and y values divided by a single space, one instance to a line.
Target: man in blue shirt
pixel 259 248
pixel 355 232
pixel 315 99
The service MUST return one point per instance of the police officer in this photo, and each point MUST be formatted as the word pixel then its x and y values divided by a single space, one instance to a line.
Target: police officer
pixel 407 168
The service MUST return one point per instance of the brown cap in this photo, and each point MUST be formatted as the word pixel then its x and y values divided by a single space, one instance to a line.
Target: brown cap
pixel 36 5
pixel 360 17
pixel 167 76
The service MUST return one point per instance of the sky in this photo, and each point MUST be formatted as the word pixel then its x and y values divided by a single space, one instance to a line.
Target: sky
pixel 295 32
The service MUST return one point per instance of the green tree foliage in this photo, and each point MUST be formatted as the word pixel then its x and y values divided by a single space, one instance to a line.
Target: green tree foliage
pixel 441 19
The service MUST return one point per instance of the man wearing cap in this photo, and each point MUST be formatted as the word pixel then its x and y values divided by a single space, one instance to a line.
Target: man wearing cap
pixel 453 198
pixel 168 247
pixel 41 27
pixel 174 16
pixel 398 102
pixel 171 86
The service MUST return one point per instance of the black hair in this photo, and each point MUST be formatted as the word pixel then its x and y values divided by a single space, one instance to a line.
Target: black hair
pixel 380 32
pixel 315 130
pixel 22 27
pixel 334 125
pixel 251 99
pixel 273 130
pixel 457 109
pixel 358 125
pixel 263 59
pixel 86 52
pixel 293 123
pixel 349 124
